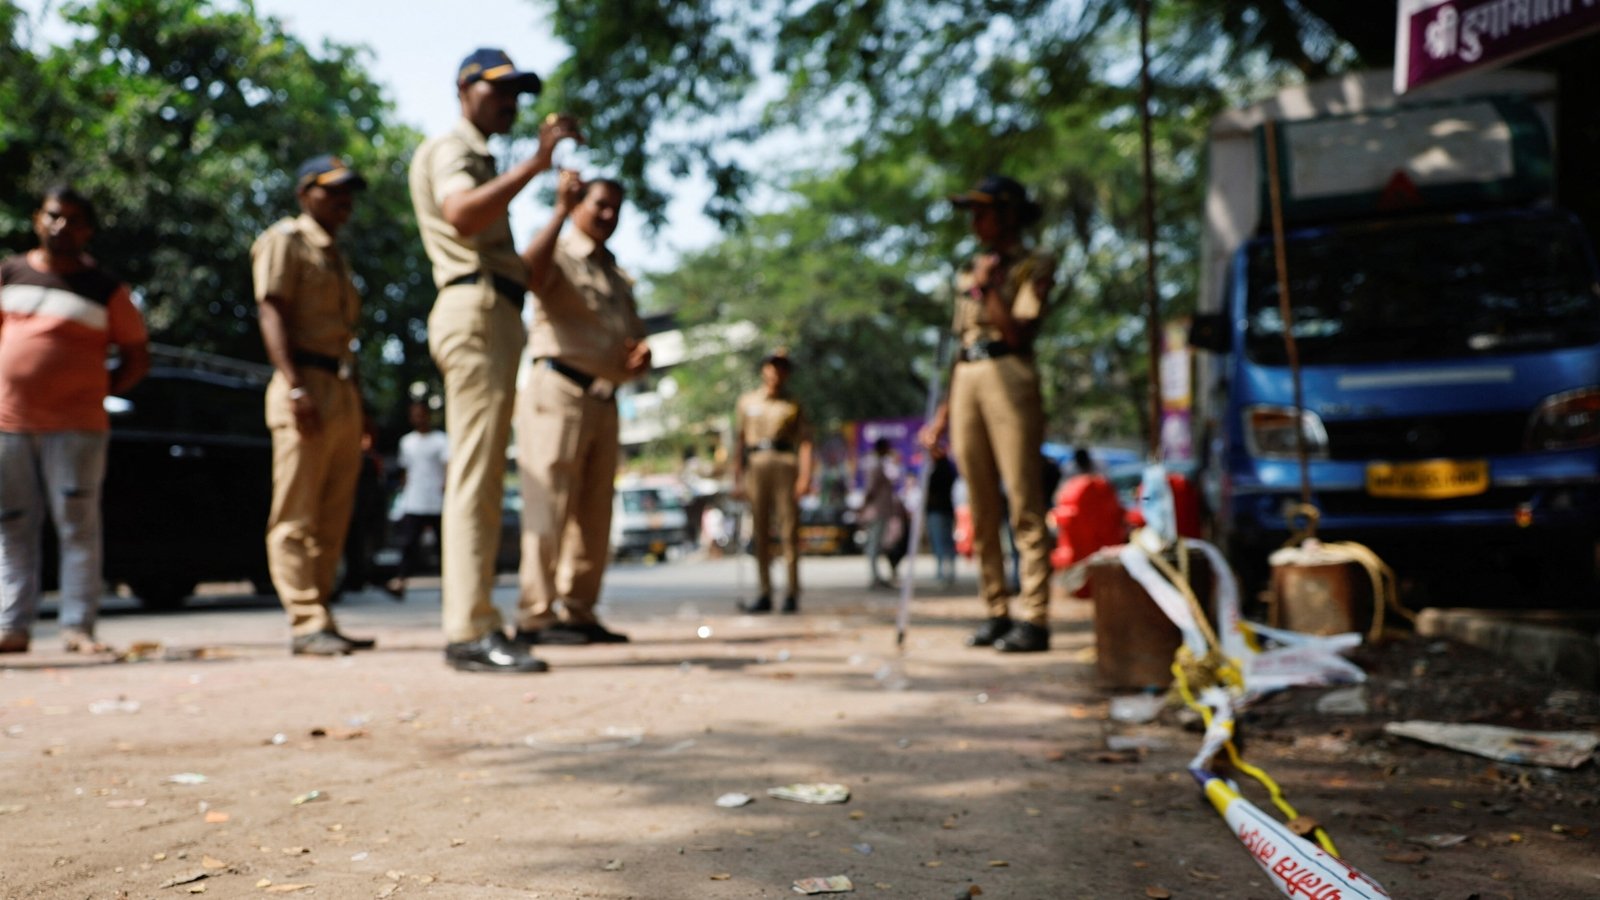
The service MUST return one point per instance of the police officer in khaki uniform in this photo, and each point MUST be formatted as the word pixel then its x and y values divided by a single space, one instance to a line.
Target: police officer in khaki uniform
pixel 308 311
pixel 772 432
pixel 475 335
pixel 587 338
pixel 994 412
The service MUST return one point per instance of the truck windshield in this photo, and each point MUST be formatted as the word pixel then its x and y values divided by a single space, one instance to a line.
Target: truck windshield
pixel 1426 290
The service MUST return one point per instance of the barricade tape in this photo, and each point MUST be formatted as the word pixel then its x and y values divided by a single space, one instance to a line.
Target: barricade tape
pixel 1232 667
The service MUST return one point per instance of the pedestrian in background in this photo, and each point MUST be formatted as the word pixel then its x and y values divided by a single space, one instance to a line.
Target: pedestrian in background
pixel 941 514
pixel 994 413
pixel 60 314
pixel 423 455
pixel 476 337
pixel 308 309
pixel 771 430
pixel 879 508
pixel 587 339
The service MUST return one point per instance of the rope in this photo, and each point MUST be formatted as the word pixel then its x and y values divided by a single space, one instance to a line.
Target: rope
pixel 1217 669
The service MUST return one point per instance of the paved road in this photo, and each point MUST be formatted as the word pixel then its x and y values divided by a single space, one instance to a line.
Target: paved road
pixel 967 769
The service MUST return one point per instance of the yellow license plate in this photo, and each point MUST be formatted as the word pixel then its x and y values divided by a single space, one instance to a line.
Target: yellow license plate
pixel 1433 479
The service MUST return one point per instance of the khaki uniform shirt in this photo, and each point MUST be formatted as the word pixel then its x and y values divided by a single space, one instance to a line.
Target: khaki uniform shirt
pixel 774 420
pixel 586 310
pixel 450 163
pixel 972 323
pixel 297 262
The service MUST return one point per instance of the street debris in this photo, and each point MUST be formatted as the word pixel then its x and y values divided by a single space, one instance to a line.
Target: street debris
pixel 188 878
pixel 734 801
pixel 1558 749
pixel 8 808
pixel 1438 841
pixel 125 804
pixel 1136 709
pixel 308 797
pixel 863 848
pixel 612 865
pixel 108 707
pixel 1121 742
pixel 1349 701
pixel 211 863
pixel 833 884
pixel 819 792
pixel 569 740
pixel 721 876
pixel 214 817
pixel 187 778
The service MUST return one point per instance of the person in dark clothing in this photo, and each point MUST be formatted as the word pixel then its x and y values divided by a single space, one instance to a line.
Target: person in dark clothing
pixel 941 514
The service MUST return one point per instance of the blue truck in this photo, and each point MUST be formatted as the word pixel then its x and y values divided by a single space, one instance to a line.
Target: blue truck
pixel 1446 317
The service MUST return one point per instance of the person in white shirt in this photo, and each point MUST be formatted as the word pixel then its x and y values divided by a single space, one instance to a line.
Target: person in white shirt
pixel 423 454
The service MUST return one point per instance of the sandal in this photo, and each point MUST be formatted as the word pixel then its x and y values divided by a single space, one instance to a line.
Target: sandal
pixel 74 640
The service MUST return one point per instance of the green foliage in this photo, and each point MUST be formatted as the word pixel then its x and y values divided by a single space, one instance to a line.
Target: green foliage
pixel 869 111
pixel 185 121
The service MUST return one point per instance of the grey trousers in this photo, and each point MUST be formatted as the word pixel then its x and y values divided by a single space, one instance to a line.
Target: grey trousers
pixel 60 472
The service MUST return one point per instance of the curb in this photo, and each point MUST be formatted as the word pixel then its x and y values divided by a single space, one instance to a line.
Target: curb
pixel 1551 642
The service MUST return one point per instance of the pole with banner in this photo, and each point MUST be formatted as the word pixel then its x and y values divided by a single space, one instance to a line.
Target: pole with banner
pixel 902 616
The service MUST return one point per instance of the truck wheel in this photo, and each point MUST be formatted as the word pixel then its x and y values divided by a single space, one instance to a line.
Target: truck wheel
pixel 159 592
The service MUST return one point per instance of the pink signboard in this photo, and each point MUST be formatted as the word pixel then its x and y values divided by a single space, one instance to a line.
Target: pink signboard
pixel 1436 39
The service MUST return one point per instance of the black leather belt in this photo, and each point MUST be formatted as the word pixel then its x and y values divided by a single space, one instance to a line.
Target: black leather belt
pixel 508 288
pixel 986 350
pixel 576 376
pixel 779 446
pixel 343 368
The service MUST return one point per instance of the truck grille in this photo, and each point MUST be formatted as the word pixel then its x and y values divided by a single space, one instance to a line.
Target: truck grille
pixel 1427 437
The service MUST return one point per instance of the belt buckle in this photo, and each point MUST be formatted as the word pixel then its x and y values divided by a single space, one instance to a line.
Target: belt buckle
pixel 602 389
pixel 347 368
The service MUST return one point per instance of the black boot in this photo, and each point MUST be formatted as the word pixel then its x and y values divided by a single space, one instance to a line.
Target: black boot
pixel 762 604
pixel 791 604
pixel 990 631
pixel 1024 637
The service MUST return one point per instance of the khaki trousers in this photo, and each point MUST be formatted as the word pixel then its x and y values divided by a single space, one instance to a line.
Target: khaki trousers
pixel 771 479
pixel 567 455
pixel 996 429
pixel 476 337
pixel 313 492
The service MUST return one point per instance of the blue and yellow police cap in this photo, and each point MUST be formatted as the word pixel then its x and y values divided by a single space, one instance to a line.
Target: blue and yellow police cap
pixel 494 66
pixel 327 170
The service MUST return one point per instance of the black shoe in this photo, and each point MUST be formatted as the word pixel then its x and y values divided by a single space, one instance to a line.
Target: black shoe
pixel 791 604
pixel 762 604
pixel 990 631
pixel 493 652
pixel 355 643
pixel 320 643
pixel 568 634
pixel 594 631
pixel 396 589
pixel 1024 637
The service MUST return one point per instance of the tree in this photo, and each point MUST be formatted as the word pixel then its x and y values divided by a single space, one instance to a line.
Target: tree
pixel 892 103
pixel 185 123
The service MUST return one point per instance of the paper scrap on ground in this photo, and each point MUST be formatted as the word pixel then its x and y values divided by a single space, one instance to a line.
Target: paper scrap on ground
pixel 731 801
pixel 833 884
pixel 1560 749
pixel 811 793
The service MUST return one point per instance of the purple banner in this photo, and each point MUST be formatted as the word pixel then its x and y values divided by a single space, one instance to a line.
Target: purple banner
pixel 902 436
pixel 1438 39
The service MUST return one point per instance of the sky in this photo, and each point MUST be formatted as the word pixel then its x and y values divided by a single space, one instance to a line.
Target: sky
pixel 415 49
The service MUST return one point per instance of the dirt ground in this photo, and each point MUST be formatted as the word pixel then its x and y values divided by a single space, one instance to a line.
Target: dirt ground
pixel 387 775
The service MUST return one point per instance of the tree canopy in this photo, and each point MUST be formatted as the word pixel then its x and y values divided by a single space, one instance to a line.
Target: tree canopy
pixel 850 121
pixel 184 122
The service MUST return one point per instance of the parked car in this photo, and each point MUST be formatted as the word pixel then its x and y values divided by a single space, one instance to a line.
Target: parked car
pixel 188 477
pixel 648 518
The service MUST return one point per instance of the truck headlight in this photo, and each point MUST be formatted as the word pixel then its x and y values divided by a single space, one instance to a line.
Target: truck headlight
pixel 1567 420
pixel 1269 433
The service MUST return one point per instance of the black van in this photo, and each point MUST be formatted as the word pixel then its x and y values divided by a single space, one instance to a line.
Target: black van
pixel 188 477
